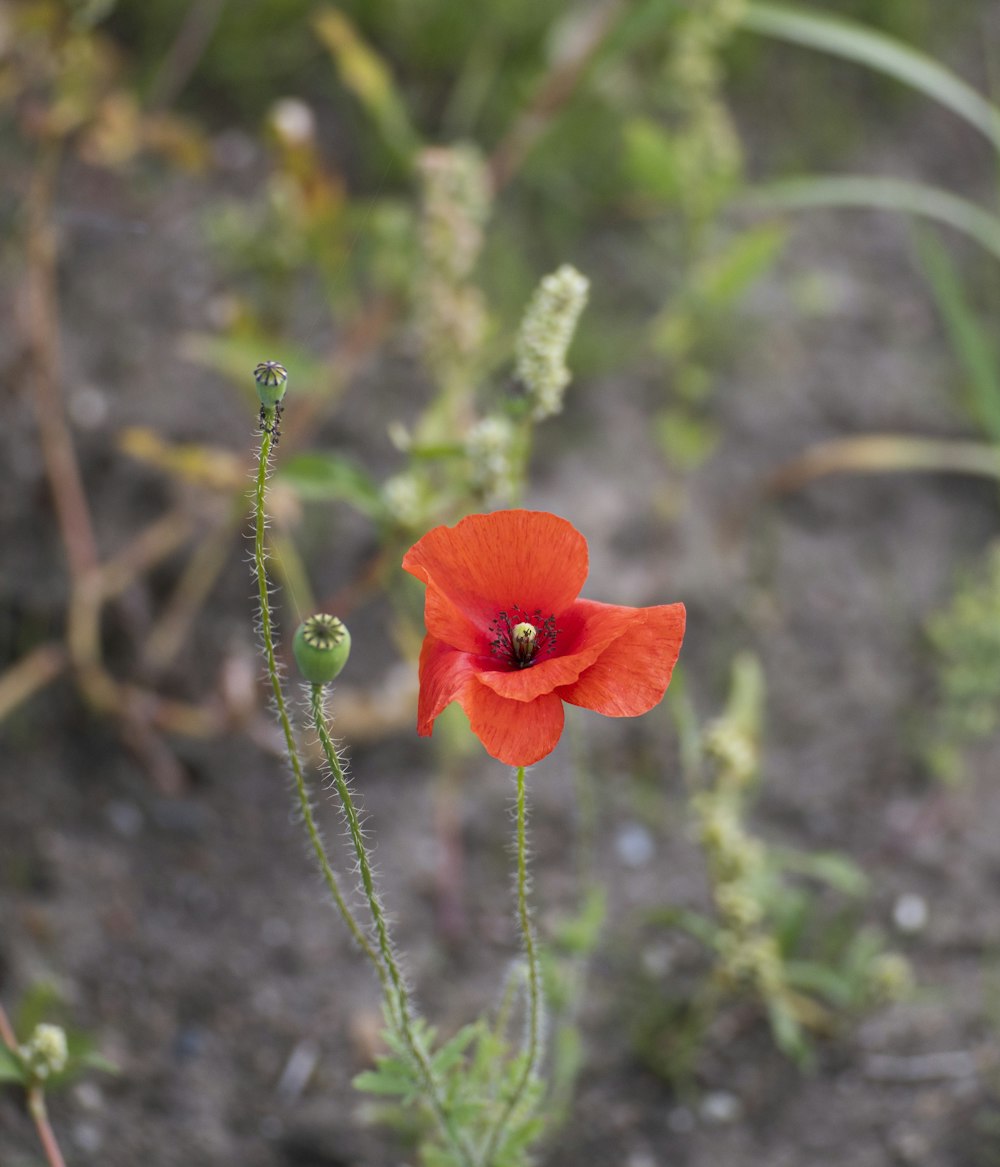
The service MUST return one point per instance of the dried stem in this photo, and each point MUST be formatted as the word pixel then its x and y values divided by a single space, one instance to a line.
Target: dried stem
pixel 41 323
pixel 554 92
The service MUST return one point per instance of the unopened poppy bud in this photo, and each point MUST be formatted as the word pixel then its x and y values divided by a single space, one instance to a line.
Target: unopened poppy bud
pixel 272 380
pixel 321 645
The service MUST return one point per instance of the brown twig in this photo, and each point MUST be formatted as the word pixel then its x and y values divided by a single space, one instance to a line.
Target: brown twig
pixel 554 92
pixel 33 672
pixel 192 590
pixel 7 1035
pixel 885 454
pixel 41 325
pixel 182 58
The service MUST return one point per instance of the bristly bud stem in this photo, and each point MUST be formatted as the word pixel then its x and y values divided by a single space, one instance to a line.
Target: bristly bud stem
pixel 325 629
pixel 394 988
pixel 533 1035
pixel 274 676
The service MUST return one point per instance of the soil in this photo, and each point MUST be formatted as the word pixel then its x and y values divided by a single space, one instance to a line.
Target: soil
pixel 185 930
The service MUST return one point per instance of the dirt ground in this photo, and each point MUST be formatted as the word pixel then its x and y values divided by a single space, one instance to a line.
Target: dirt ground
pixel 187 931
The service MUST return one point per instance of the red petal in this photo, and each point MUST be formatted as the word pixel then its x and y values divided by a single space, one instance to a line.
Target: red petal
pixel 487 563
pixel 632 674
pixel 585 631
pixel 518 733
pixel 444 672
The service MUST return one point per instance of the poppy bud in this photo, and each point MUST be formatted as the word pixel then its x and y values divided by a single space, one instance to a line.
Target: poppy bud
pixel 321 645
pixel 272 380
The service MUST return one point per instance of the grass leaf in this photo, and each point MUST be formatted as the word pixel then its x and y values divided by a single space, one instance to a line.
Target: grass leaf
pixel 884 54
pixel 886 194
pixel 969 341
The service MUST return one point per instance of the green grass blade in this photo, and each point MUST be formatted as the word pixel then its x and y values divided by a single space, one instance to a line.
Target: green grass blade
pixel 888 194
pixel 882 53
pixel 972 347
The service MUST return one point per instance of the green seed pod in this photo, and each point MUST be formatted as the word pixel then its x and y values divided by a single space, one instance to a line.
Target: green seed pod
pixel 272 380
pixel 322 645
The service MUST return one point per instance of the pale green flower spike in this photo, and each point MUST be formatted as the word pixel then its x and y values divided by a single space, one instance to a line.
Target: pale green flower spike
pixel 489 446
pixel 546 332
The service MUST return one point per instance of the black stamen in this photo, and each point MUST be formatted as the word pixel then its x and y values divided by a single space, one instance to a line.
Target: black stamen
pixel 520 653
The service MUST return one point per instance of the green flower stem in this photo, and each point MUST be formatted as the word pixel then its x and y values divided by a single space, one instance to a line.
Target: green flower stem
pixel 532 1042
pixel 281 707
pixel 398 999
pixel 46 1135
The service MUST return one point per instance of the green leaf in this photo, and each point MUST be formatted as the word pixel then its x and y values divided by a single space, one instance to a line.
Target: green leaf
pixel 369 77
pixel 820 979
pixel 969 340
pixel 843 38
pixel 889 194
pixel 650 160
pixel 384 1081
pixel 829 867
pixel 724 276
pixel 787 1032
pixel 327 476
pixel 451 1052
pixel 694 923
pixel 93 1060
pixel 11 1066
pixel 42 1002
pixel 580 933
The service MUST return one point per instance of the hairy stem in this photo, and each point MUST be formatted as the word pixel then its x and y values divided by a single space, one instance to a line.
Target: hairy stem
pixel 281 707
pixel 532 1042
pixel 399 999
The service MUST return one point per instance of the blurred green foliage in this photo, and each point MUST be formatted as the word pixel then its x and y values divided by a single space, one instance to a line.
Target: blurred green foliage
pixel 965 638
pixel 785 936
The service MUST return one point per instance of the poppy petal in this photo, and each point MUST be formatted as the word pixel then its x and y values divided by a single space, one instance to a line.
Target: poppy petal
pixel 444 672
pixel 518 733
pixel 585 631
pixel 488 563
pixel 633 672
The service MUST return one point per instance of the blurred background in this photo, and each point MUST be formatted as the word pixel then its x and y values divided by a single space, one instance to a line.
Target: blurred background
pixel 784 411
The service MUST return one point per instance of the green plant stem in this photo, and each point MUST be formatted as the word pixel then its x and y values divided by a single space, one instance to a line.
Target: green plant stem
pixel 533 1037
pixel 281 707
pixel 395 991
pixel 39 1113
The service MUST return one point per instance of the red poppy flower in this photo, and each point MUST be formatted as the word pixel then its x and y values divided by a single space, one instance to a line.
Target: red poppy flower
pixel 509 639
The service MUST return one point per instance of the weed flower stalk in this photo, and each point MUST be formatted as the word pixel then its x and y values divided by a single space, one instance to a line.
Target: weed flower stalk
pixel 546 331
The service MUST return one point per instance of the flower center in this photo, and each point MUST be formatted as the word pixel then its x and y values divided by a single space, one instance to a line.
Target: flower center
pixel 519 640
